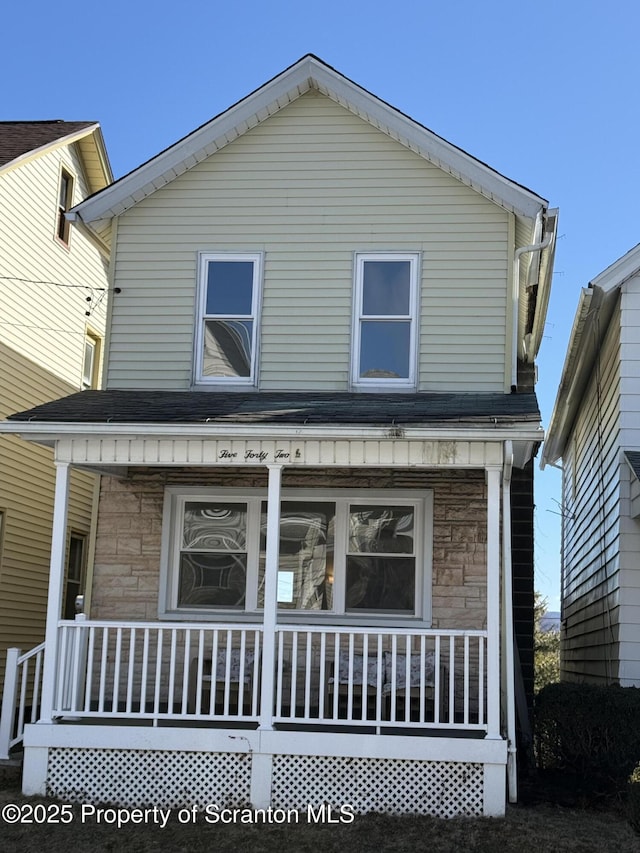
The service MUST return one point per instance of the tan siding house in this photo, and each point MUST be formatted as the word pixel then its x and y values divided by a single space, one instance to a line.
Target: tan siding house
pixel 52 295
pixel 317 421
pixel 595 431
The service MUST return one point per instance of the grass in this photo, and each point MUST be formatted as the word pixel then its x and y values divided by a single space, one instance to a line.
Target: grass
pixel 540 828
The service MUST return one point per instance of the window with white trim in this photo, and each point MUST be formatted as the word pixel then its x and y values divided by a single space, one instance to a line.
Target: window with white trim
pixel 385 328
pixel 342 552
pixel 228 318
pixel 90 361
pixel 65 202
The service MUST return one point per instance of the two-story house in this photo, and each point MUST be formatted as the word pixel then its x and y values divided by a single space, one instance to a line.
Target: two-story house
pixel 53 280
pixel 595 434
pixel 317 425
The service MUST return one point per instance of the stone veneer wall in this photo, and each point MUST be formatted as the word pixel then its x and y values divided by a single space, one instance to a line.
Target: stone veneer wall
pixel 127 560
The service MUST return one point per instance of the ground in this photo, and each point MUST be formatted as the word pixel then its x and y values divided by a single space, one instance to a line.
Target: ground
pixel 541 828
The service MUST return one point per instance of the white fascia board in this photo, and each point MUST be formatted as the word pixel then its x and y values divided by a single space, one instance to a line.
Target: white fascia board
pixel 566 402
pixel 38 431
pixel 545 279
pixel 307 74
pixel 50 146
pixel 619 271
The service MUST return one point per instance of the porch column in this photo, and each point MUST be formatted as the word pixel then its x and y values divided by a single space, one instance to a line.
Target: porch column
pixel 270 613
pixel 493 603
pixel 56 583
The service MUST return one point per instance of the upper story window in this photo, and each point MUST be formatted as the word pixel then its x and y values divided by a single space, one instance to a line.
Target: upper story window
pixel 228 318
pixel 385 332
pixel 65 202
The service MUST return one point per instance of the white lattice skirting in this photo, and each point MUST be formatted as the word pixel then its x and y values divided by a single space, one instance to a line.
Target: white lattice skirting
pixel 392 786
pixel 165 778
pixel 174 779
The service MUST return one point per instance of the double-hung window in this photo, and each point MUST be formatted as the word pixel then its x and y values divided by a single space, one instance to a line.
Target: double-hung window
pixel 228 317
pixel 347 553
pixel 385 330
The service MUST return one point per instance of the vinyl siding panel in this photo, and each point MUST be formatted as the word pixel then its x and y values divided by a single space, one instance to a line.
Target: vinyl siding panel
pixel 40 319
pixel 42 333
pixel 310 187
pixel 591 526
pixel 630 527
pixel 26 498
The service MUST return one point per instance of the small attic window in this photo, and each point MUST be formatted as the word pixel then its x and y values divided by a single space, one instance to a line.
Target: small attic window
pixel 65 201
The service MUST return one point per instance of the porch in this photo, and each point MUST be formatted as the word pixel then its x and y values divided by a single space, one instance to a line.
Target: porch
pixel 342 704
pixel 405 708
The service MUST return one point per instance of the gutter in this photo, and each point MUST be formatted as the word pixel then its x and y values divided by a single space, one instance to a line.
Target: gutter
pixel 523 250
pixel 520 431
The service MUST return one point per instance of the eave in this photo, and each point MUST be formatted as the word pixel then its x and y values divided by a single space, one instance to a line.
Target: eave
pixel 308 73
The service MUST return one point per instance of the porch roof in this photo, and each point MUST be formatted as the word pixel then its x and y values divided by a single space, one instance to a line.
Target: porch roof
pixel 285 408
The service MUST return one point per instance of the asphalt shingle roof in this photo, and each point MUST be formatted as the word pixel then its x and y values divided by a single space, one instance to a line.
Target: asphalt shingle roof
pixel 197 407
pixel 19 137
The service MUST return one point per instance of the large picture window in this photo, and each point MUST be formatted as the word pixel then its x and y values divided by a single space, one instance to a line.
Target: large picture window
pixel 348 553
pixel 226 343
pixel 385 321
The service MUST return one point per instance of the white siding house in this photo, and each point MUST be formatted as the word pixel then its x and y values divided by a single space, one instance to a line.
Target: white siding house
pixel 317 422
pixel 595 432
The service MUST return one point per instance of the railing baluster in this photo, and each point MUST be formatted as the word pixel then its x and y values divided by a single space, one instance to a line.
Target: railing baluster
pixel 466 680
pixel 115 696
pixel 307 677
pixel 103 669
pixel 131 669
pixel 145 671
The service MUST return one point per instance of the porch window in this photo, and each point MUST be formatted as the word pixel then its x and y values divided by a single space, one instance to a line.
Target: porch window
pixel 385 321
pixel 226 343
pixel 343 553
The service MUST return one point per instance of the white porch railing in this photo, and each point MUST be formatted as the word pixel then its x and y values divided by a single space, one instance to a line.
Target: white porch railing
pixel 21 696
pixel 376 677
pixel 158 671
pixel 324 676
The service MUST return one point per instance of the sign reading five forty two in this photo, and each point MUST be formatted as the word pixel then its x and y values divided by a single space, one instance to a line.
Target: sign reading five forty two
pixel 261 456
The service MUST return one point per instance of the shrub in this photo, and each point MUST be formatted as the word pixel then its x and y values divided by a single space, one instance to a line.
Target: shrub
pixel 633 799
pixel 591 734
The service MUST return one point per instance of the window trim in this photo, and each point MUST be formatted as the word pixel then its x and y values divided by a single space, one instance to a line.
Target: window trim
pixel 94 338
pixel 175 498
pixel 388 384
pixel 63 225
pixel 229 382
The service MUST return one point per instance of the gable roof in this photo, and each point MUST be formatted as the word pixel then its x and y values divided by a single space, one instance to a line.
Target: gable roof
pixel 306 74
pixel 21 141
pixel 590 324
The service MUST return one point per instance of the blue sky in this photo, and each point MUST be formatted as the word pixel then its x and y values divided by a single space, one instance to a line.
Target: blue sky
pixel 547 94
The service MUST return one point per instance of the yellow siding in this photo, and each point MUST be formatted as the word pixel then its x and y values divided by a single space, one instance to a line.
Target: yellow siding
pixel 42 331
pixel 309 187
pixel 42 321
pixel 26 499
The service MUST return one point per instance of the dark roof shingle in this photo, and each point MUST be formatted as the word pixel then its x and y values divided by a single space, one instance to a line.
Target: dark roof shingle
pixel 18 138
pixel 197 407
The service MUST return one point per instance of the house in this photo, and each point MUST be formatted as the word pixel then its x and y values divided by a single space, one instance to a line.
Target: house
pixel 595 435
pixel 53 280
pixel 315 440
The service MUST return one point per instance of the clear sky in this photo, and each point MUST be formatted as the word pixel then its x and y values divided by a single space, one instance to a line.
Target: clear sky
pixel 547 94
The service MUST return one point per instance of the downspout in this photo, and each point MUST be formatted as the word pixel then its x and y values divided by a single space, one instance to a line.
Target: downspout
pixel 523 250
pixel 507 618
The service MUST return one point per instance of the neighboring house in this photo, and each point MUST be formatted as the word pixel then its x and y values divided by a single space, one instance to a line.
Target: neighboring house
pixel 53 281
pixel 317 426
pixel 595 432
